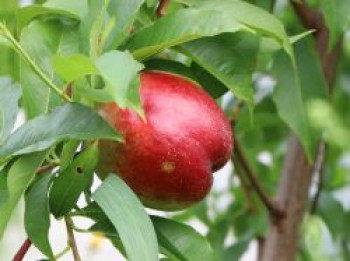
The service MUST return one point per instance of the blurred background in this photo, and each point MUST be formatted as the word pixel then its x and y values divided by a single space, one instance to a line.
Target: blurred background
pixel 322 234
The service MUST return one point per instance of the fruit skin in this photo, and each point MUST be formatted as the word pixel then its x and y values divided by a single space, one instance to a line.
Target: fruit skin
pixel 168 158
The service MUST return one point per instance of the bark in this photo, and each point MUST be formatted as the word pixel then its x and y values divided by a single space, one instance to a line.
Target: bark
pixel 282 241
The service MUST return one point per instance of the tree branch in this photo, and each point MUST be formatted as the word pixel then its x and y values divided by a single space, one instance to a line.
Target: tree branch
pixel 273 209
pixel 282 240
pixel 162 8
pixel 71 239
pixel 23 250
pixel 245 187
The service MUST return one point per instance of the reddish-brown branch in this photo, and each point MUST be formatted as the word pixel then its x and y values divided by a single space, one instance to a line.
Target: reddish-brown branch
pixel 273 208
pixel 162 8
pixel 23 250
pixel 313 19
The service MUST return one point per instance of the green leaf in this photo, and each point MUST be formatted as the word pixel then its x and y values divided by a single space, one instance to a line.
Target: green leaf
pixel 324 118
pixel 207 19
pixel 37 215
pixel 70 121
pixel 332 213
pixel 74 9
pixel 124 13
pixel 119 71
pixel 69 184
pixel 181 242
pixel 336 16
pixel 230 58
pixel 4 192
pixel 73 67
pixel 40 40
pixel 107 229
pixel 209 83
pixel 129 218
pixel 10 93
pixel 20 175
pixel 316 239
pixel 235 251
pixel 91 28
pixel 67 154
pixel 194 73
pixel 295 88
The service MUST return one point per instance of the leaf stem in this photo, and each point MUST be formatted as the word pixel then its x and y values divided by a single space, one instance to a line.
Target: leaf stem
pixel 6 33
pixel 71 239
pixel 23 250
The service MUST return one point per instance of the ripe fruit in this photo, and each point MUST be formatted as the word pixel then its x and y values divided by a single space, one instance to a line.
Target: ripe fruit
pixel 168 159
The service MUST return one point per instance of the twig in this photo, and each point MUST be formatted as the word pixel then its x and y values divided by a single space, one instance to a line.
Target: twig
pixel 23 250
pixel 71 239
pixel 31 63
pixel 44 168
pixel 319 170
pixel 162 8
pixel 269 204
pixel 245 187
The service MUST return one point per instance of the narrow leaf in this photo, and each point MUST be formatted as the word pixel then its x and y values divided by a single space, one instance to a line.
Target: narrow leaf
pixel 40 40
pixel 181 242
pixel 230 58
pixel 123 12
pixel 69 184
pixel 37 215
pixel 73 67
pixel 129 218
pixel 119 71
pixel 10 94
pixel 295 88
pixel 209 18
pixel 74 9
pixel 70 121
pixel 20 175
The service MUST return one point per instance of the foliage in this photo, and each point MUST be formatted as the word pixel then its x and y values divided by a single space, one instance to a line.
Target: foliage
pixel 241 54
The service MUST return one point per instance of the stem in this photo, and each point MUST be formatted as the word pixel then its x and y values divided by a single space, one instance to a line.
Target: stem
pixel 44 168
pixel 23 250
pixel 269 204
pixel 319 169
pixel 245 187
pixel 162 8
pixel 31 63
pixel 71 239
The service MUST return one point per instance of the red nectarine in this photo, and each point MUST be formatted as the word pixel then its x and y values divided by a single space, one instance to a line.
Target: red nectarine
pixel 168 158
